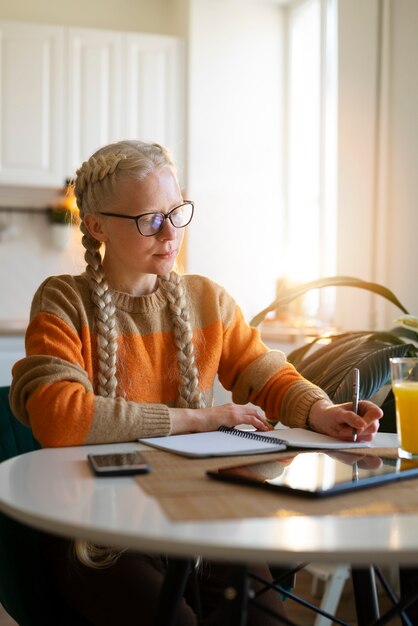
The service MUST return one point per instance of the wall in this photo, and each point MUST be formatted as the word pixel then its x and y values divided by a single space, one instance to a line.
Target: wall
pixel 378 152
pixel 235 141
pixel 400 256
pixel 27 256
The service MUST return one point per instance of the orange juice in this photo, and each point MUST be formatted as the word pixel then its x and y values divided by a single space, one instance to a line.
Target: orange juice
pixel 406 395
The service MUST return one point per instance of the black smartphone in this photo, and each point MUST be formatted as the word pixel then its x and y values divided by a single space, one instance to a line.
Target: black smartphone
pixel 118 464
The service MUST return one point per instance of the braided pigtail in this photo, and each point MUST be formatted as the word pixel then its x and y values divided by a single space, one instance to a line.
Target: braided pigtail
pixel 104 317
pixel 91 172
pixel 189 392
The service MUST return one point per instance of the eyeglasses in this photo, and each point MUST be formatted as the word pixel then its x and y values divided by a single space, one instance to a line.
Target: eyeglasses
pixel 149 224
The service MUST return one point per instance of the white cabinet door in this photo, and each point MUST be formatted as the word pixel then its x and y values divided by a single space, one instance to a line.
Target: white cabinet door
pixel 32 104
pixel 95 92
pixel 154 89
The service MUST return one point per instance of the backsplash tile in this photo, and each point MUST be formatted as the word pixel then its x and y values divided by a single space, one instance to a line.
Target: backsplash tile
pixel 27 257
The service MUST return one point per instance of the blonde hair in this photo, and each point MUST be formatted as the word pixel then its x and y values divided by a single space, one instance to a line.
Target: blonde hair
pixel 96 185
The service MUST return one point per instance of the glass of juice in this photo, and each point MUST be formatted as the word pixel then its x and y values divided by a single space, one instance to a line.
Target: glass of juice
pixel 405 388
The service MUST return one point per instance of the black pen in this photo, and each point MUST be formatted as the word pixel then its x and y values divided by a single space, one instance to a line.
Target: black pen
pixel 355 396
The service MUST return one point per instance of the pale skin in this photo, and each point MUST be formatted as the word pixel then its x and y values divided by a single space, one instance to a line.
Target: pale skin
pixel 133 262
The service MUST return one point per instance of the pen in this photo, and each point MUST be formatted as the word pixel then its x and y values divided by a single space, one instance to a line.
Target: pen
pixel 354 477
pixel 355 395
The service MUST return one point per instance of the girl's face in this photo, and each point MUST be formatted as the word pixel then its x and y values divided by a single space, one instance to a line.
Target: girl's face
pixel 132 261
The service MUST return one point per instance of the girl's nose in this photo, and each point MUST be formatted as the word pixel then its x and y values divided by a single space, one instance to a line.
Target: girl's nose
pixel 168 231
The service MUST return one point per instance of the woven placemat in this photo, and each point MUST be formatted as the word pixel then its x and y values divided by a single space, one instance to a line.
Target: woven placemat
pixel 184 492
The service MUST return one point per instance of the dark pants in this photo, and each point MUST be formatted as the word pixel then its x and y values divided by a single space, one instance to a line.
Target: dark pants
pixel 128 591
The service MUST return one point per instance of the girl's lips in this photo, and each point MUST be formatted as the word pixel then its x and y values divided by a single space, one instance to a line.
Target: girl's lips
pixel 166 255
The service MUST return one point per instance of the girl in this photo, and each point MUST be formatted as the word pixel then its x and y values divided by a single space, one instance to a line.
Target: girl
pixel 131 349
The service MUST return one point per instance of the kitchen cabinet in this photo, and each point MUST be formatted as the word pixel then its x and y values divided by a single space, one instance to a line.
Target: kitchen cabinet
pixel 67 91
pixel 32 104
pixel 154 92
pixel 95 92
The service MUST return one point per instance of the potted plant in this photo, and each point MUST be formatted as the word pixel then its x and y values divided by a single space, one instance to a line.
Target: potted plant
pixel 61 215
pixel 330 366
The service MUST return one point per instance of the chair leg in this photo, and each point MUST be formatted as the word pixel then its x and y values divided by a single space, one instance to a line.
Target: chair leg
pixel 333 589
pixel 172 591
pixel 233 608
pixel 365 595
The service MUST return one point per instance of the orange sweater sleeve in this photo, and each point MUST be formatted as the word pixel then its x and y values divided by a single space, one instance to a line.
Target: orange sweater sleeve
pixel 52 389
pixel 264 377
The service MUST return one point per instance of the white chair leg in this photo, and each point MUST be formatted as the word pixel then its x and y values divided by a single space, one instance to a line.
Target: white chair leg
pixel 334 586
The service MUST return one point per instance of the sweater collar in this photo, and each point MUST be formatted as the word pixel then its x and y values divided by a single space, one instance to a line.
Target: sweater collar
pixel 137 304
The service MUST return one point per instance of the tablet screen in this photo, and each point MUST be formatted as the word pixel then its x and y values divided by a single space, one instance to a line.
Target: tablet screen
pixel 319 473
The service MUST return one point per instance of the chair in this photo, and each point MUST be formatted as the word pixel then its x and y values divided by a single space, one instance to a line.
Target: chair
pixel 334 578
pixel 25 592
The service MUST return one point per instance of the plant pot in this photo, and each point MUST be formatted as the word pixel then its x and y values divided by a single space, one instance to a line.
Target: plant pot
pixel 60 236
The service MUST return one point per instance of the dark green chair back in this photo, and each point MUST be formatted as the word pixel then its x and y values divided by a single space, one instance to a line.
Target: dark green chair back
pixel 14 437
pixel 25 592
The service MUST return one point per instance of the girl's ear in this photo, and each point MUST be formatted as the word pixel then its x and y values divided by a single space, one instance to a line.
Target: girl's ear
pixel 94 225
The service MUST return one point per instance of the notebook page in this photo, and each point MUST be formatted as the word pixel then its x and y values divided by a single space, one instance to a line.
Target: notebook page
pixel 213 443
pixel 300 437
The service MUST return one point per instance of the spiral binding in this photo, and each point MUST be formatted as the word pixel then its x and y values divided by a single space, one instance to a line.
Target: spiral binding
pixel 248 434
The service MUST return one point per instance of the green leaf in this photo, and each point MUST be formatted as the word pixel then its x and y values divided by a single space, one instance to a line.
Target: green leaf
pixel 408 320
pixel 333 344
pixel 286 295
pixel 403 332
pixel 332 369
pixel 374 373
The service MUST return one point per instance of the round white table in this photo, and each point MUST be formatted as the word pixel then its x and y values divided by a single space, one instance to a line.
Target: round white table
pixel 54 490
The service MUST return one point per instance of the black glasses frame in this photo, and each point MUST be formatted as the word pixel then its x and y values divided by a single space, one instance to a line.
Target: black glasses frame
pixel 166 216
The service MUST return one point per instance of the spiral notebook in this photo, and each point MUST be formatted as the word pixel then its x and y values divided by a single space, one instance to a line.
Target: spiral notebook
pixel 234 442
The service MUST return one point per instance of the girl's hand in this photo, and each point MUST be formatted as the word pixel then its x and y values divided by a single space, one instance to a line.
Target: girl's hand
pixel 339 420
pixel 198 420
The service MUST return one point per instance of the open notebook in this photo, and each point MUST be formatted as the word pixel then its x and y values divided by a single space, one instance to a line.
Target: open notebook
pixel 232 442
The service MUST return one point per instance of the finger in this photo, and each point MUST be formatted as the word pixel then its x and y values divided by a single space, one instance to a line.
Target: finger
pixel 371 462
pixel 369 410
pixel 260 422
pixel 352 420
pixel 250 416
pixel 367 435
pixel 341 431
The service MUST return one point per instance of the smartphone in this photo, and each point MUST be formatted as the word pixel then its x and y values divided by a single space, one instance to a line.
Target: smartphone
pixel 118 464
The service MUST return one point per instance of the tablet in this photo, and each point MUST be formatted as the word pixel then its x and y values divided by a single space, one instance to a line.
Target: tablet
pixel 319 474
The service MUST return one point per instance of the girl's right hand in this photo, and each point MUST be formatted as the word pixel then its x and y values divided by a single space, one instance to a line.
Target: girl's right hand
pixel 230 415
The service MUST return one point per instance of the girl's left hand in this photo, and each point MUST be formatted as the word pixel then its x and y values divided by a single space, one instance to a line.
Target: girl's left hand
pixel 339 420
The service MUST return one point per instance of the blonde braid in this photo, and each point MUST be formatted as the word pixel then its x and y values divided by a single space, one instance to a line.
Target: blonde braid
pixel 92 171
pixel 107 343
pixel 189 392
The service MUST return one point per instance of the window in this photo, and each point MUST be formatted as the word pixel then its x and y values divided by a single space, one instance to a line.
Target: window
pixel 311 149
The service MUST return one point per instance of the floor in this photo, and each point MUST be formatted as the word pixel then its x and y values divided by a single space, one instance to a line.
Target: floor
pixel 302 616
pixel 5 619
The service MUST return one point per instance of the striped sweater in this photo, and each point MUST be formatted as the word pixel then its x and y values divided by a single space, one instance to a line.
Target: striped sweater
pixel 53 389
